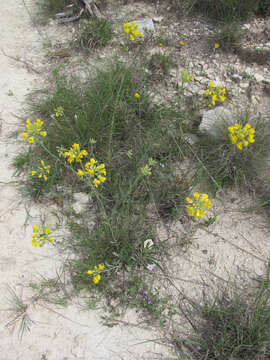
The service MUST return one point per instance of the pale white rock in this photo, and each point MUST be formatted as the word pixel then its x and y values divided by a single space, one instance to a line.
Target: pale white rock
pixel 145 24
pixel 158 19
pixel 212 120
pixel 81 202
pixel 244 85
pixel 201 80
pixel 191 139
pixel 78 207
pixel 236 77
pixel 248 71
pixel 245 27
pixel 258 77
pixel 52 219
pixel 81 197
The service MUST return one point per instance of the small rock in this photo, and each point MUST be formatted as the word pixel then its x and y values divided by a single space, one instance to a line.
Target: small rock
pixel 52 220
pixel 191 139
pixel 254 100
pixel 244 85
pixel 245 27
pixel 145 24
pixel 158 19
pixel 78 207
pixel 258 77
pixel 236 77
pixel 81 197
pixel 212 120
pixel 81 202
pixel 248 71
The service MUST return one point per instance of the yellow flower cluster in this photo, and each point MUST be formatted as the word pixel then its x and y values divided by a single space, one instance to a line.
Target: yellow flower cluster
pixel 96 273
pixel 215 93
pixel 94 171
pixel 131 30
pixel 199 205
pixel 186 77
pixel 41 172
pixel 40 235
pixel 32 130
pixel 59 111
pixel 241 136
pixel 75 153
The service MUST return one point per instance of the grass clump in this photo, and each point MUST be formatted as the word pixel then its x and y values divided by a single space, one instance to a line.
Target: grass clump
pixel 51 7
pixel 230 163
pixel 104 137
pixel 161 64
pixel 230 326
pixel 94 34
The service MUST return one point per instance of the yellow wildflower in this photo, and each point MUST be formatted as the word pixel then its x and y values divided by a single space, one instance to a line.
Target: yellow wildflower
pixel 40 235
pixel 137 95
pixel 75 153
pixel 199 206
pixel 241 136
pixel 131 30
pixel 96 273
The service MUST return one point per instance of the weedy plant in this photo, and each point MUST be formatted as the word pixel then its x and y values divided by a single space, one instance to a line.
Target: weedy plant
pixel 233 157
pixel 161 64
pixel 104 137
pixel 18 310
pixel 230 10
pixel 49 8
pixel 93 34
pixel 229 325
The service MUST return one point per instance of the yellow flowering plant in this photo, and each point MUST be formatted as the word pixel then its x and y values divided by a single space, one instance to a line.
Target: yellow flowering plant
pixel 33 129
pixel 92 170
pixel 241 135
pixel 131 30
pixel 59 111
pixel 95 272
pixel 186 77
pixel 147 169
pixel 75 153
pixel 199 205
pixel 41 235
pixel 215 94
pixel 42 171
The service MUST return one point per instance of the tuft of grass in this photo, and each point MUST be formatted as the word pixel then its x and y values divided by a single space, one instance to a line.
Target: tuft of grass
pixel 229 36
pixel 49 8
pixel 228 165
pixel 94 34
pixel 230 326
pixel 225 10
pixel 110 114
pixel 19 313
pixel 161 64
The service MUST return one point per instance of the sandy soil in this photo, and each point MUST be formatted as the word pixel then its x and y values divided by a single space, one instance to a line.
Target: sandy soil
pixel 56 333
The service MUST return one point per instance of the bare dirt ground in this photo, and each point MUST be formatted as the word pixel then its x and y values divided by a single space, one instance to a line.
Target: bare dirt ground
pixel 236 246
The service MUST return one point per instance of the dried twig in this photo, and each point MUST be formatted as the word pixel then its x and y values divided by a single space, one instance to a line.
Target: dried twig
pixel 28 66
